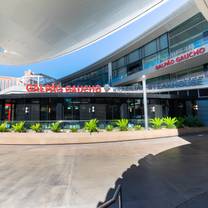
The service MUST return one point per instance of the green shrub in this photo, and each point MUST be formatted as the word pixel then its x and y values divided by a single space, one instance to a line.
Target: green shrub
pixel 192 121
pixel 122 124
pixel 138 127
pixel 91 126
pixel 3 127
pixel 169 122
pixel 55 127
pixel 180 122
pixel 19 127
pixel 37 127
pixel 109 127
pixel 156 123
pixel 74 129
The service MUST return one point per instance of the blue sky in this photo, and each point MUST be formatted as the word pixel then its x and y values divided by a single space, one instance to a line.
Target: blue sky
pixel 67 64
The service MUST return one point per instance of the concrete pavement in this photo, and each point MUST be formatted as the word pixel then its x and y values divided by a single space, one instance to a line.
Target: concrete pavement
pixel 80 176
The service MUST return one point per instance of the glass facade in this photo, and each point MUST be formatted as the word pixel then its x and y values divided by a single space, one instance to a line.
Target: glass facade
pixel 189 35
pixel 49 109
pixel 145 57
pixel 188 78
pixel 99 76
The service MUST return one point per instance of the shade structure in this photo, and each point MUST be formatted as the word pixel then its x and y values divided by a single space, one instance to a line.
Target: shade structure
pixel 37 30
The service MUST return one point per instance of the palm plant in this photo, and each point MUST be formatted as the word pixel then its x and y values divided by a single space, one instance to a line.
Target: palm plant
pixel 3 127
pixel 122 124
pixel 192 121
pixel 91 126
pixel 156 123
pixel 138 127
pixel 169 122
pixel 55 127
pixel 19 127
pixel 37 127
pixel 74 129
pixel 180 122
pixel 109 127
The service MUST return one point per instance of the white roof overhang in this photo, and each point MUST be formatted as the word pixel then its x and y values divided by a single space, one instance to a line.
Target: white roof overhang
pixel 32 31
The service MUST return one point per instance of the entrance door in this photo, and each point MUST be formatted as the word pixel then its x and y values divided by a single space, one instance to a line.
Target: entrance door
pixel 99 111
pixel 85 112
pixel 89 111
pixel 27 112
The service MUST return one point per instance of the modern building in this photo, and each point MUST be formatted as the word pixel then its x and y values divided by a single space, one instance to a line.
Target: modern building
pixel 173 56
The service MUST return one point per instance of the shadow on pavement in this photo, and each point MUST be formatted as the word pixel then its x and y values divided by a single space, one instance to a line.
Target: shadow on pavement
pixel 175 178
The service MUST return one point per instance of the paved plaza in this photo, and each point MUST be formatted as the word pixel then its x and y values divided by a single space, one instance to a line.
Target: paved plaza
pixel 166 172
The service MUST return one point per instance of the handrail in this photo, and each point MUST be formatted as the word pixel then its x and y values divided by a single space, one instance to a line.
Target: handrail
pixel 117 196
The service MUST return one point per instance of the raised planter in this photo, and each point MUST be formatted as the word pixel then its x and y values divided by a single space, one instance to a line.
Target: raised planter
pixel 83 138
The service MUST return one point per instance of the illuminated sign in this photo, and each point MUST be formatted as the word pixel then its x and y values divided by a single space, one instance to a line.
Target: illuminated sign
pixel 181 58
pixel 52 88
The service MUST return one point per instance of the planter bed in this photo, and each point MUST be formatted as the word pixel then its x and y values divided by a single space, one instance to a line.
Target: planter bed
pixel 83 137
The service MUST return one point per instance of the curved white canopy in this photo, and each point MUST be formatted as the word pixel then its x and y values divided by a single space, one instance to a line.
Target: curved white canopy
pixel 36 30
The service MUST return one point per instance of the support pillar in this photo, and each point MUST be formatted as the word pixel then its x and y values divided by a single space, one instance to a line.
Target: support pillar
pixel 109 73
pixel 146 122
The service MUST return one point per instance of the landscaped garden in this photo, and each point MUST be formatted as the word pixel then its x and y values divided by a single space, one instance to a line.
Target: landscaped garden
pixel 98 126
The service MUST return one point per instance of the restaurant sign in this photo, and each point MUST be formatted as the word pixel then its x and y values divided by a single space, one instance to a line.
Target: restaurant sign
pixel 56 88
pixel 53 88
pixel 181 58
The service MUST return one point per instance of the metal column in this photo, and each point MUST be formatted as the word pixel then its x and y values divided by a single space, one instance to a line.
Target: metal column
pixel 109 73
pixel 145 102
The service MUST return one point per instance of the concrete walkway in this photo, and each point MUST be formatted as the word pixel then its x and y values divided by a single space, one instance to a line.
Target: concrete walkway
pixel 170 172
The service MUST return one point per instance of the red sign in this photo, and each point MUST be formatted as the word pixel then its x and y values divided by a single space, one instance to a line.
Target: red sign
pixel 52 88
pixel 181 58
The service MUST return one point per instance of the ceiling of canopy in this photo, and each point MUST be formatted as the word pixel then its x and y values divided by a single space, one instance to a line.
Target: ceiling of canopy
pixel 37 30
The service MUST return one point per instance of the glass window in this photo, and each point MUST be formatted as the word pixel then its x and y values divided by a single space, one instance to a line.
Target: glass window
pixel 163 41
pixel 122 72
pixel 188 35
pixel 99 76
pixel 203 92
pixel 118 63
pixel 150 48
pixel 187 24
pixel 163 55
pixel 135 67
pixel 114 73
pixel 133 56
pixel 150 61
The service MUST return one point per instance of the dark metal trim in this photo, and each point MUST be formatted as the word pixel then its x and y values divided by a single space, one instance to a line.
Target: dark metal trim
pixel 117 196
